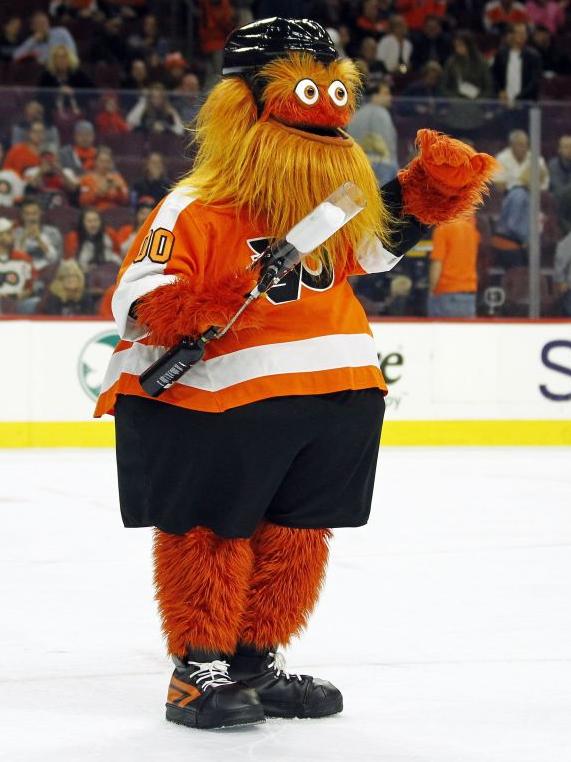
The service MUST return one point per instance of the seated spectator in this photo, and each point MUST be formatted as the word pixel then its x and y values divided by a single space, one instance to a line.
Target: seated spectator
pixel 517 68
pixel 467 77
pixel 103 187
pixel 501 14
pixel 80 156
pixel 136 81
pixel 66 295
pixel 49 180
pixel 547 13
pixel 376 69
pixel 176 67
pixel 43 243
pixel 431 44
pixel 415 12
pixel 425 91
pixel 109 43
pixel 155 182
pixel 10 37
pixel 16 271
pixel 63 83
pixel 373 118
pixel 452 274
pixel 11 184
pixel 378 154
pixel 125 236
pixel 35 112
pixel 562 273
pixel 395 49
pixel 109 119
pixel 43 39
pixel 186 97
pixel 149 41
pixel 513 177
pixel 373 21
pixel 90 245
pixel 22 156
pixel 560 181
pixel 154 113
pixel 554 60
pixel 560 167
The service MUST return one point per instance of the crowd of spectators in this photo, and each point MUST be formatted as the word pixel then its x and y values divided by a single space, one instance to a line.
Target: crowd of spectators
pixel 104 85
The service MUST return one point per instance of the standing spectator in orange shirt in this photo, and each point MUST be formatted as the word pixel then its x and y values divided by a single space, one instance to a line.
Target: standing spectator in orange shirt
pixel 103 188
pixel 453 279
pixel 22 156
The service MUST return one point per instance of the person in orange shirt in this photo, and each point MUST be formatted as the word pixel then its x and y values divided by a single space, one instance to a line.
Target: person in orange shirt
pixel 453 279
pixel 103 188
pixel 23 156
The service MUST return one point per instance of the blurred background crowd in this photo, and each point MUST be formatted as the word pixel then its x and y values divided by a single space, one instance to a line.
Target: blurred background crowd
pixel 96 97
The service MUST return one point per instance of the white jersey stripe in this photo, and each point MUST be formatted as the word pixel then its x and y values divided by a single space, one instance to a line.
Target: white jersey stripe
pixel 141 277
pixel 373 257
pixel 352 350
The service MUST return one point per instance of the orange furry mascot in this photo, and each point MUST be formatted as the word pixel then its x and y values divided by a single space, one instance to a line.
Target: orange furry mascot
pixel 246 462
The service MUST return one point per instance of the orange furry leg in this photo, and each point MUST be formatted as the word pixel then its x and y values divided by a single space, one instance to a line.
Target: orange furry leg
pixel 201 583
pixel 289 570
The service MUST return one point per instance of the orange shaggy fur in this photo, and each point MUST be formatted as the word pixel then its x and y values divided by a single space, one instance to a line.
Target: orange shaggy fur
pixel 184 308
pixel 289 570
pixel 201 585
pixel 447 179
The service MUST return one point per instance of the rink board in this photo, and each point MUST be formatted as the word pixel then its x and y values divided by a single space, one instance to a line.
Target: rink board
pixel 464 383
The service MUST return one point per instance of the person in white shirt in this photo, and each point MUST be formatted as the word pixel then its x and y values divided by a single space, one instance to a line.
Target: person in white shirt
pixel 395 49
pixel 515 164
pixel 514 177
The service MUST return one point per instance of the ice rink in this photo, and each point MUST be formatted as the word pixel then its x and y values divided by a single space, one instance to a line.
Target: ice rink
pixel 446 622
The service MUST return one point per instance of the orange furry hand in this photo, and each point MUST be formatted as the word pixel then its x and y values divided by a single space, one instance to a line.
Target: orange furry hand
pixel 447 179
pixel 181 309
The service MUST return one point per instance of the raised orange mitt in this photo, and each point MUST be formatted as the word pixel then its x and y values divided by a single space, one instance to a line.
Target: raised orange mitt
pixel 447 179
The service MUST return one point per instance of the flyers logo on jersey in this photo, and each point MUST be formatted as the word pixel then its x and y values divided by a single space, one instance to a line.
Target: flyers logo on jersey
pixel 290 288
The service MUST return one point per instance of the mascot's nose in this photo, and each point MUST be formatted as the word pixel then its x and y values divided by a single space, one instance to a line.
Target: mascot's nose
pixel 323 114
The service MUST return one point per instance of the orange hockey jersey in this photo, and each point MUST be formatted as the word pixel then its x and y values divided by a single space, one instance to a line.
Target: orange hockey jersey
pixel 315 337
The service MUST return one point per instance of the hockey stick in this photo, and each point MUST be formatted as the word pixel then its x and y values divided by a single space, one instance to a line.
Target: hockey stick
pixel 278 259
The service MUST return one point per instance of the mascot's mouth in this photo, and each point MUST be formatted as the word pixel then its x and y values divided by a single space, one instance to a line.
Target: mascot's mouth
pixel 334 135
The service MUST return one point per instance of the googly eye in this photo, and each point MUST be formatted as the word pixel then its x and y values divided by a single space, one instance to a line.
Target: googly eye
pixel 307 92
pixel 338 93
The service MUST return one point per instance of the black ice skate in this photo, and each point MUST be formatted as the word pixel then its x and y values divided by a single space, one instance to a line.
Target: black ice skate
pixel 283 694
pixel 202 695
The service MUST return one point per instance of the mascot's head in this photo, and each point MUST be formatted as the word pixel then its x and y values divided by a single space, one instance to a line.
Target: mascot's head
pixel 270 136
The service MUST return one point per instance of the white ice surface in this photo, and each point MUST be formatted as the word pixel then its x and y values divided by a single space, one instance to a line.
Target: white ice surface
pixel 446 622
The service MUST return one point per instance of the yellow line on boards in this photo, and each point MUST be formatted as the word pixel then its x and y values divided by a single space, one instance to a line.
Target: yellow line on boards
pixel 395 433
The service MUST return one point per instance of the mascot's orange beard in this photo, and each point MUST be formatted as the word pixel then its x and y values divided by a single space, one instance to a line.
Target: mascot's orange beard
pixel 278 175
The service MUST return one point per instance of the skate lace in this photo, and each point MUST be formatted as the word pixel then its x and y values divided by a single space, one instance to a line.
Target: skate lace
pixel 210 674
pixel 278 664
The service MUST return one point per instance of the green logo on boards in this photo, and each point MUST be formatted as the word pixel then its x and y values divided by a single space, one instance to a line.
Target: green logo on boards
pixel 93 361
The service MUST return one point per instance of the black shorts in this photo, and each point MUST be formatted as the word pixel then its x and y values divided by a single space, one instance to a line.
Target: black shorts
pixel 305 461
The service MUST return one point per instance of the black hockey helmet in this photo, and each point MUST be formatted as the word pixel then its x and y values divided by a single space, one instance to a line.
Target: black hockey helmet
pixel 252 46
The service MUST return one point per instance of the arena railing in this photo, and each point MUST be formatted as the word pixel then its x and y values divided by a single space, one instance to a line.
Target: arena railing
pixel 524 228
